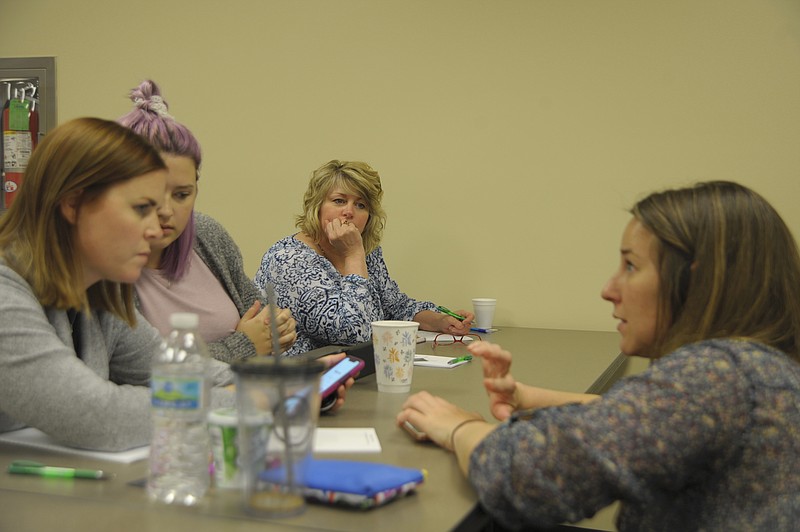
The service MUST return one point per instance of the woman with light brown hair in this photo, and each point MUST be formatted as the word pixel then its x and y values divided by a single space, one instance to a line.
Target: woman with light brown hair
pixel 74 355
pixel 708 437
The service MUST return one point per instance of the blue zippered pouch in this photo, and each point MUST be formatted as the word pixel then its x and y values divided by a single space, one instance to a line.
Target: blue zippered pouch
pixel 351 483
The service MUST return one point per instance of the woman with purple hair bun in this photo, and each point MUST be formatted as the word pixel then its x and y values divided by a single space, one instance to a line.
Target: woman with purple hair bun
pixel 196 266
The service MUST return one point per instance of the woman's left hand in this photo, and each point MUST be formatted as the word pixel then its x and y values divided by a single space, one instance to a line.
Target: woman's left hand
pixel 341 392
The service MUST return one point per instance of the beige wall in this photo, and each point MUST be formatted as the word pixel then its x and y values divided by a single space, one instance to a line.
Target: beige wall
pixel 510 134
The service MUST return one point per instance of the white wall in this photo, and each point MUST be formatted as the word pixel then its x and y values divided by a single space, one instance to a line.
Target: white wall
pixel 511 135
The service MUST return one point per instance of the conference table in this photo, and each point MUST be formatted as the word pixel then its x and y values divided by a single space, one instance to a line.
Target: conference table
pixel 570 360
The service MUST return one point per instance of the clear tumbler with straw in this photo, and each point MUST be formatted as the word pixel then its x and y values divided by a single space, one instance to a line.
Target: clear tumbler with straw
pixel 283 393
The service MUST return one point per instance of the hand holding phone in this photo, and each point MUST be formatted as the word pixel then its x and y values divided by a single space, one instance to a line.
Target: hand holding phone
pixel 338 374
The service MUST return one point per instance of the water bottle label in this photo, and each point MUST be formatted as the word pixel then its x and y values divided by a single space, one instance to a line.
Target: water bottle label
pixel 177 393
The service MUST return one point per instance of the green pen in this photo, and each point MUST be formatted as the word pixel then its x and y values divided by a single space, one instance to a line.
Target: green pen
pixel 465 358
pixel 450 313
pixel 26 467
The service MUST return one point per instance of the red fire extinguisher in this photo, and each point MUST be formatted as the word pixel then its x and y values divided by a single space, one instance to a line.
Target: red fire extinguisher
pixel 20 135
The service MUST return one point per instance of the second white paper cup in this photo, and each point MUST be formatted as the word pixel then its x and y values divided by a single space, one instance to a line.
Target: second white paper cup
pixel 484 311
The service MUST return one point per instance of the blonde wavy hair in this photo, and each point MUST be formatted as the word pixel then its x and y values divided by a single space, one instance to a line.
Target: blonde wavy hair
pixel 353 177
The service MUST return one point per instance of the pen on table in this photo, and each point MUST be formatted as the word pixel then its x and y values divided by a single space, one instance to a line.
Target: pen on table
pixel 26 467
pixel 450 313
pixel 465 358
pixel 482 330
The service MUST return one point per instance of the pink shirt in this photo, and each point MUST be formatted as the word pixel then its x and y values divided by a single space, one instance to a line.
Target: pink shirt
pixel 199 292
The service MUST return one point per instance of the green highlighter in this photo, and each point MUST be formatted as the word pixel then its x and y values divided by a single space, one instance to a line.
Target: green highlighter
pixel 27 467
pixel 449 312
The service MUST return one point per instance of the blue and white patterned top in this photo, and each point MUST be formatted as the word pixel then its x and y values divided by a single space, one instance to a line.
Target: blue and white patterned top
pixel 332 309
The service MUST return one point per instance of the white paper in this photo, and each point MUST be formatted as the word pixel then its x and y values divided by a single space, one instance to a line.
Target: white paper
pixel 326 440
pixel 346 440
pixel 431 361
pixel 31 437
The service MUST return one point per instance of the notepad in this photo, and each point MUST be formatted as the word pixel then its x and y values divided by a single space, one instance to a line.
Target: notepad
pixel 35 438
pixel 346 440
pixel 338 440
pixel 431 361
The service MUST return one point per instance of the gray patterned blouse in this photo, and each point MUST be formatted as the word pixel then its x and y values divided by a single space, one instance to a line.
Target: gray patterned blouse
pixel 707 438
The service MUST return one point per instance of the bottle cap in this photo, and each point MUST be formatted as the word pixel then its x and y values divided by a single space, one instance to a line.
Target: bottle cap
pixel 184 320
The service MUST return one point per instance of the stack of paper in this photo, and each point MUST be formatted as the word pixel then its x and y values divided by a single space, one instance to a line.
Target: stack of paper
pixel 346 440
pixel 326 440
pixel 35 438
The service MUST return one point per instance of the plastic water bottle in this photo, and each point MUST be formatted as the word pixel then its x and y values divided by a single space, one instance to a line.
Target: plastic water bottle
pixel 180 395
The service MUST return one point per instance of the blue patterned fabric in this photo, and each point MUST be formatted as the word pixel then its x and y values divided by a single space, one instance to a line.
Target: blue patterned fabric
pixel 707 438
pixel 332 309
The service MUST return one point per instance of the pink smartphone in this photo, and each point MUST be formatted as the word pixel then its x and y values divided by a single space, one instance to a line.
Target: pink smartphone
pixel 338 374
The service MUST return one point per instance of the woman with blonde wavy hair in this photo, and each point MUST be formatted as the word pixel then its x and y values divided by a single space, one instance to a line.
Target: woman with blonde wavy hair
pixel 332 274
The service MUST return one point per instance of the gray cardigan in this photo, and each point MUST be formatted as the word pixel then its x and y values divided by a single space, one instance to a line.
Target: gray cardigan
pixel 222 256
pixel 94 395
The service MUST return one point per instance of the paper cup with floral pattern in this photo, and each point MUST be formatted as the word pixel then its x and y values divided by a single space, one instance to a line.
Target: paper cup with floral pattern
pixel 395 344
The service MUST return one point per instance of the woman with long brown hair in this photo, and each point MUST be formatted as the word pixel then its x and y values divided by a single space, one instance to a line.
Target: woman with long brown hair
pixel 707 438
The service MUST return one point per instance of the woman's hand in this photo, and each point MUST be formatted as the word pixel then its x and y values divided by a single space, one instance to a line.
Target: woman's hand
pixel 341 392
pixel 344 237
pixel 500 385
pixel 435 321
pixel 287 328
pixel 255 325
pixel 434 416
pixel 450 325
pixel 506 394
pixel 345 248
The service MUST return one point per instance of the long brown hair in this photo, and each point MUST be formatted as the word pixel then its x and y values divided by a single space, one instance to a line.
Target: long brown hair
pixel 84 155
pixel 728 267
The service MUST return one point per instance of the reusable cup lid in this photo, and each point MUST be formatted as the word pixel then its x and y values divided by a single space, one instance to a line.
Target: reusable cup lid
pixel 285 367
